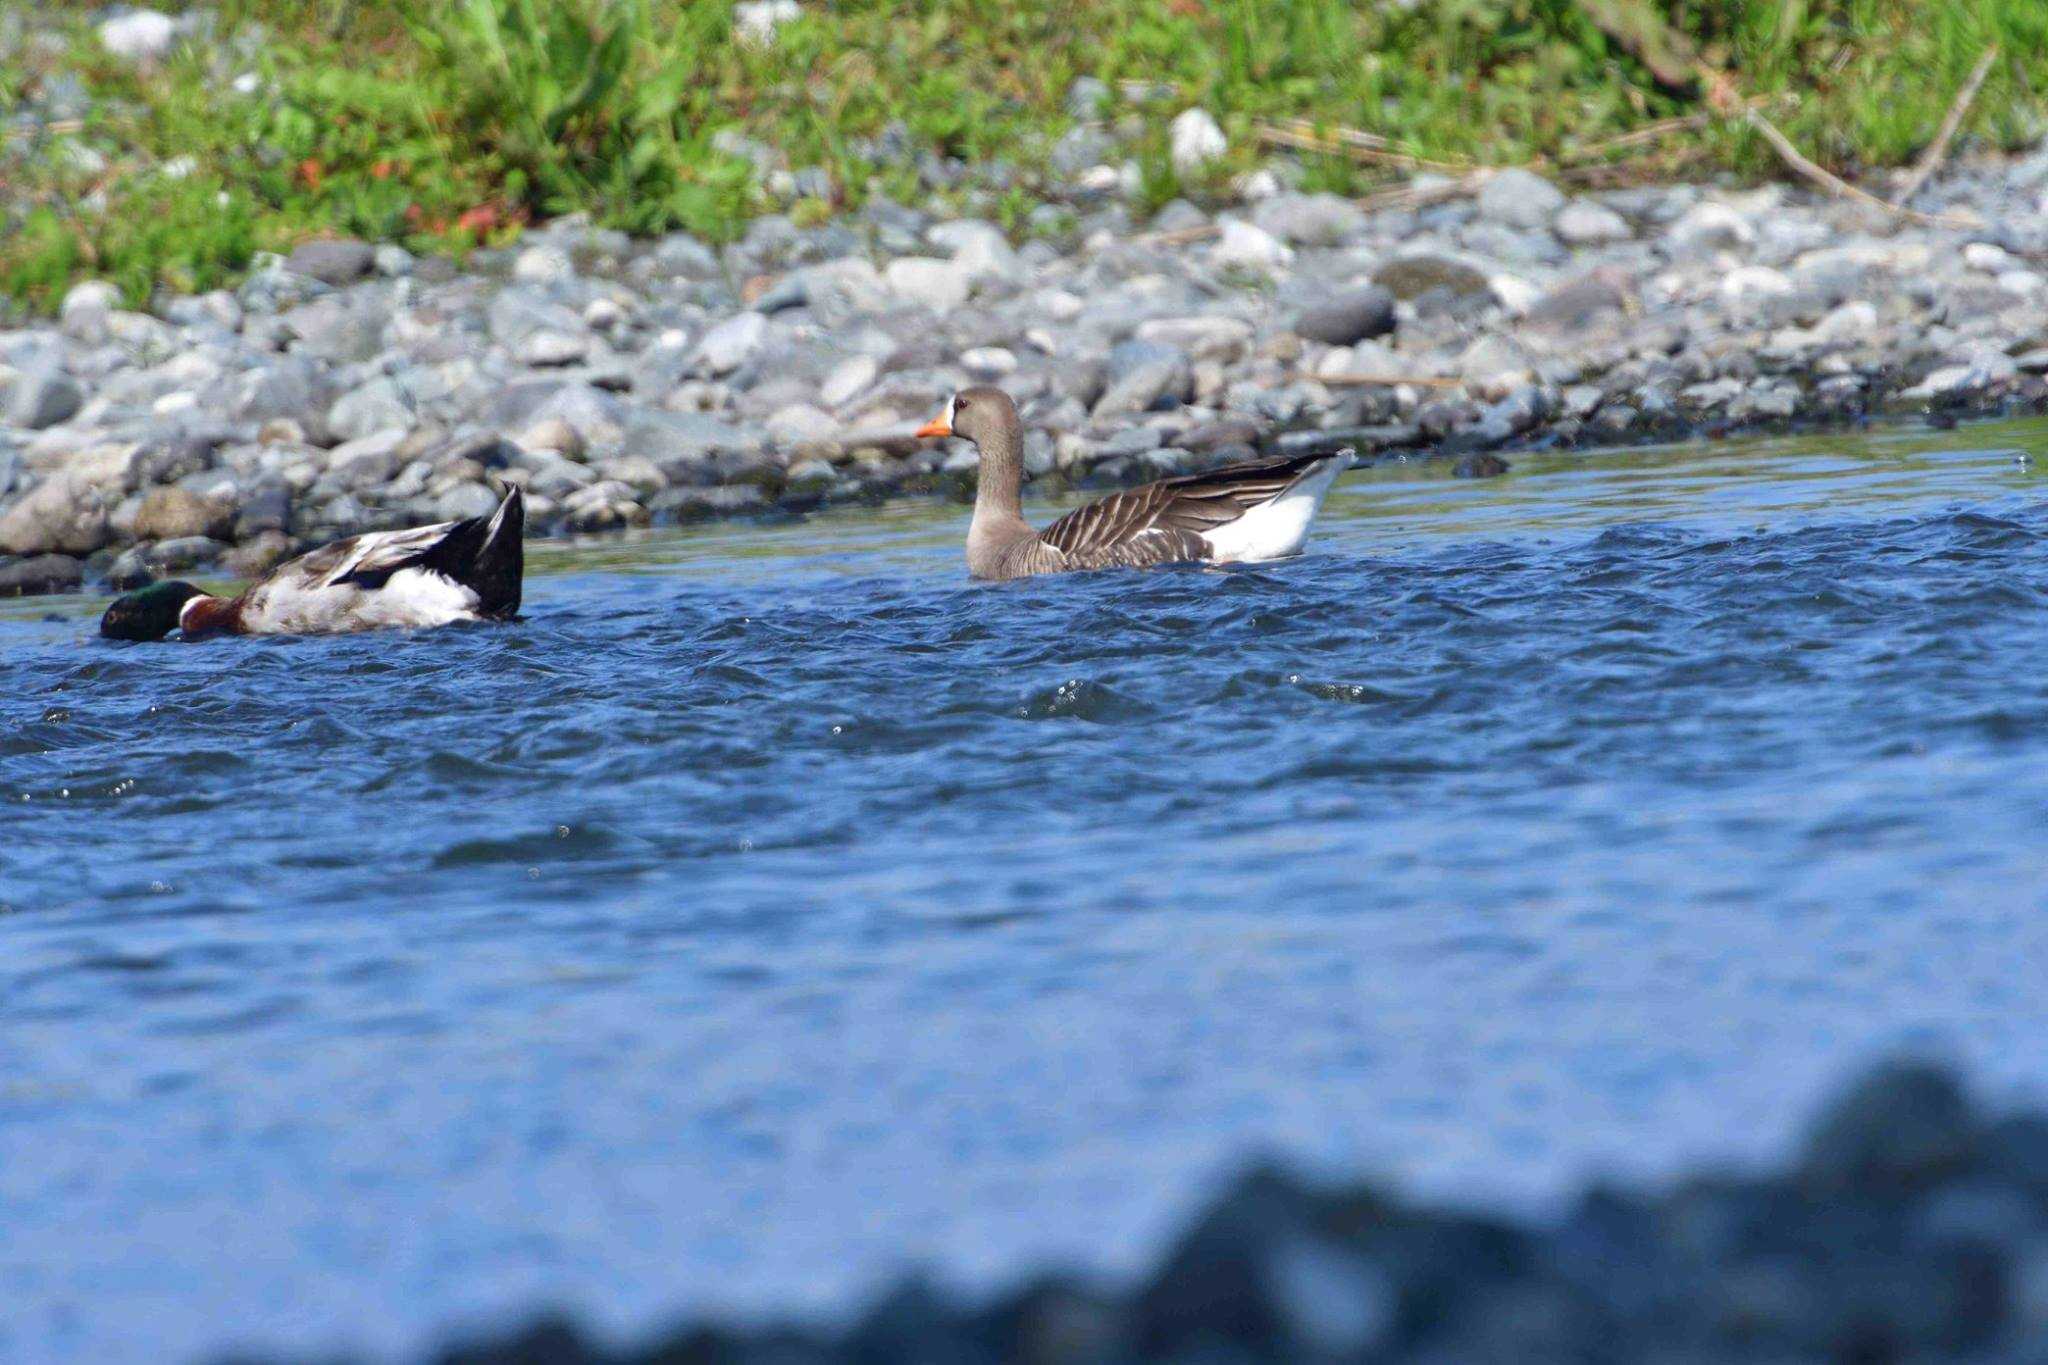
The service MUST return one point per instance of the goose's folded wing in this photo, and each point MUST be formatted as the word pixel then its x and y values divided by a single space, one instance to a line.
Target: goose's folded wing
pixel 1163 521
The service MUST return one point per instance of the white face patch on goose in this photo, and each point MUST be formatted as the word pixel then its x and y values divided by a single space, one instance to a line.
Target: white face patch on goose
pixel 951 403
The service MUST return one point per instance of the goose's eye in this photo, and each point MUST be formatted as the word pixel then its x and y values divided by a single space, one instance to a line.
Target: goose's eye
pixel 960 405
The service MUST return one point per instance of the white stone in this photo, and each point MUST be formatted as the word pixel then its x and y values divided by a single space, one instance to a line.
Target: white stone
pixel 542 265
pixel 603 314
pixel 731 343
pixel 1246 246
pixel 989 362
pixel 1196 140
pixel 1852 322
pixel 2025 283
pixel 139 36
pixel 1516 294
pixel 1101 179
pixel 847 379
pixel 1059 305
pixel 1754 281
pixel 547 347
pixel 938 285
pixel 1988 258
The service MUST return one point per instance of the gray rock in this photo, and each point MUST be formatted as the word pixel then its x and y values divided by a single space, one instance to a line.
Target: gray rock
pixel 267 509
pixel 337 262
pixel 1519 199
pixel 186 552
pixel 379 405
pixel 86 308
pixel 685 438
pixel 1580 302
pixel 1706 231
pixel 1201 337
pixel 337 328
pixel 685 256
pixel 731 343
pixel 1584 223
pixel 38 574
pixel 41 400
pixel 1143 375
pixel 1313 220
pixel 929 282
pixel 847 379
pixel 465 500
pixel 548 348
pixel 1351 316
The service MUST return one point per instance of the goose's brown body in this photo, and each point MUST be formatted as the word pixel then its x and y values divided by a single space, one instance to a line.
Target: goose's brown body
pixel 1257 510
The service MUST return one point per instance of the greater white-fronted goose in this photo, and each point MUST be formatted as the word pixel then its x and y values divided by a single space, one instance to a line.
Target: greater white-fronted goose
pixel 454 571
pixel 1242 513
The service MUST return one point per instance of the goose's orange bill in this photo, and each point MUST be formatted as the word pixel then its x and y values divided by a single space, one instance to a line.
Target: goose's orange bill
pixel 938 426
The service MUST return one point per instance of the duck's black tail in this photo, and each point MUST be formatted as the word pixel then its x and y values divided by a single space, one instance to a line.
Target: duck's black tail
pixel 487 556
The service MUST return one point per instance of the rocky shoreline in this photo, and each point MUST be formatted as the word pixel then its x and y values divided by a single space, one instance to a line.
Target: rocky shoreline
pixel 1909 1226
pixel 352 387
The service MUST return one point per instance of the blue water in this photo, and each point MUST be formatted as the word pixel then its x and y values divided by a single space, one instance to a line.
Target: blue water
pixel 774 909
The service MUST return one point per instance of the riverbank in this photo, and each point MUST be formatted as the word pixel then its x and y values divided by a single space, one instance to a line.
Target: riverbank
pixel 1908 1226
pixel 624 381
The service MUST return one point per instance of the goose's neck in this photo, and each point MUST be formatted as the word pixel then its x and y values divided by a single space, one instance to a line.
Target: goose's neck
pixel 998 498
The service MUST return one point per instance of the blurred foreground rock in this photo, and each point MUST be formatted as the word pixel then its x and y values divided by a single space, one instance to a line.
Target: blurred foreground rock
pixel 1911 1226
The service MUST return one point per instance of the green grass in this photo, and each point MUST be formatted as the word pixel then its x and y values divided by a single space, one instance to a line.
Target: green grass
pixel 441 123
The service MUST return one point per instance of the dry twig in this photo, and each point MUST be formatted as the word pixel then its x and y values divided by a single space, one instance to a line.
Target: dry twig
pixel 1303 136
pixel 1842 189
pixel 1930 160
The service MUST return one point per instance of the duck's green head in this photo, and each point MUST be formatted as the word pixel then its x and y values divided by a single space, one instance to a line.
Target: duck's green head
pixel 149 614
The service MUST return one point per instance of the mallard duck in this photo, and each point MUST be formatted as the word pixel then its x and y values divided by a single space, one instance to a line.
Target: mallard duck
pixel 455 571
pixel 1242 513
